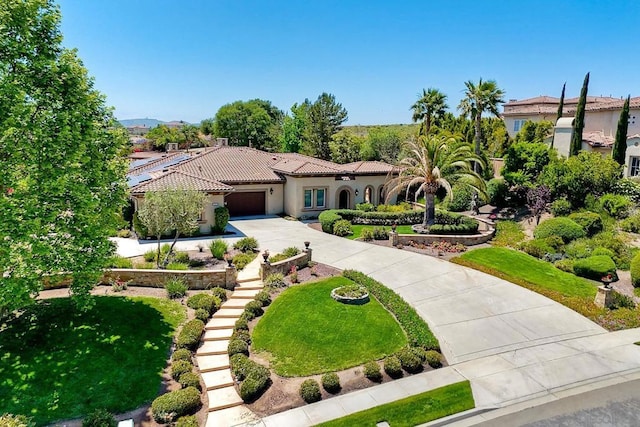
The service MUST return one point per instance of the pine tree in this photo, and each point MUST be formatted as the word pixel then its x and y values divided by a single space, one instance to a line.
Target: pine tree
pixel 619 151
pixel 578 124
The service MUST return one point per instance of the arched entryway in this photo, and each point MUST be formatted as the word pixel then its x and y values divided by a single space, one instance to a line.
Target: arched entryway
pixel 344 199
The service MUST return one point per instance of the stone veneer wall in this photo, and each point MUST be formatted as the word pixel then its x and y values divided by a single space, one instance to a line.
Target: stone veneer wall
pixel 486 234
pixel 195 279
pixel 284 266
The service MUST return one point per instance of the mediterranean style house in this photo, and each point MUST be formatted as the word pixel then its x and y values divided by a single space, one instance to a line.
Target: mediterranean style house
pixel 253 182
pixel 600 123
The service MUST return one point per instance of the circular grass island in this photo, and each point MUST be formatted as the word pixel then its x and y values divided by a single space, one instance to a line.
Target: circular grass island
pixel 305 332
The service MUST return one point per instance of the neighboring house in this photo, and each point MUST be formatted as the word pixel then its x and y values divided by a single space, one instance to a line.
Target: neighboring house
pixel 600 124
pixel 253 182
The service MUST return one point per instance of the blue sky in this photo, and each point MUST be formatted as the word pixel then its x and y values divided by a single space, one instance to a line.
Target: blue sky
pixel 182 60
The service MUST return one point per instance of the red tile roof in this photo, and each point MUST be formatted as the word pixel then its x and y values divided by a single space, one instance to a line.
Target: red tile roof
pixel 369 167
pixel 178 179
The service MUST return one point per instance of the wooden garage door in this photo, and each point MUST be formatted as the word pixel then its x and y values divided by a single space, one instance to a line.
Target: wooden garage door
pixel 246 203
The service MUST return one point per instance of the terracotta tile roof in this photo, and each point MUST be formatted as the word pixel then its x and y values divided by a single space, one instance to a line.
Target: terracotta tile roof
pixel 597 139
pixel 299 164
pixel 369 167
pixel 548 105
pixel 233 165
pixel 178 179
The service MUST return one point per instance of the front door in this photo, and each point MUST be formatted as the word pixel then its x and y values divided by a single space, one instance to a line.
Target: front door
pixel 343 200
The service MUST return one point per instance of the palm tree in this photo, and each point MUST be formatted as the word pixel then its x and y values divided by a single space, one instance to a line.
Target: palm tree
pixel 434 161
pixel 485 96
pixel 432 103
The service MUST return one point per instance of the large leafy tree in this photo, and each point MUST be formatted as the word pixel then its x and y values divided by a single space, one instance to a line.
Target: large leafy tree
pixel 325 116
pixel 485 96
pixel 383 143
pixel 345 147
pixel 62 182
pixel 294 128
pixel 255 122
pixel 431 104
pixel 578 124
pixel 433 162
pixel 619 151
pixel 535 132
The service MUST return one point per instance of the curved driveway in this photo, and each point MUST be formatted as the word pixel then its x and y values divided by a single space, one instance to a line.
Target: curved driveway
pixel 472 314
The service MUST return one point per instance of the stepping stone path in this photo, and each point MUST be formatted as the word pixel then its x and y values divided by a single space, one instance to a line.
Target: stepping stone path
pixel 213 361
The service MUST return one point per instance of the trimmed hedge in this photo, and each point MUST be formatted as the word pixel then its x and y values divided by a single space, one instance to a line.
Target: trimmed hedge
pixel 331 382
pixel 255 377
pixel 188 421
pixel 180 367
pixel 410 359
pixel 181 354
pixel 204 301
pixel 173 405
pixel 417 330
pixel 327 219
pixel 566 228
pixel 221 219
pixel 253 309
pixel 241 335
pixel 237 346
pixel 189 336
pixel 392 366
pixel 595 267
pixel 590 222
pixel 433 359
pixel 190 379
pixel 242 259
pixel 202 314
pixel 220 293
pixel 263 298
pixel 310 391
pixel 372 371
pixel 635 270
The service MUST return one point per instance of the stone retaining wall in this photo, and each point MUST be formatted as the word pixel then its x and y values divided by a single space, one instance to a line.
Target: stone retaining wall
pixel 284 266
pixel 487 232
pixel 195 279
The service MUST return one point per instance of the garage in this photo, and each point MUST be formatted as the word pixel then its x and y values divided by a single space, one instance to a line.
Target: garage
pixel 246 203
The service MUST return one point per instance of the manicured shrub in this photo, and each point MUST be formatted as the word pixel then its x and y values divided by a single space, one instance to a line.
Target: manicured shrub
pixel 242 259
pixel 310 391
pixel 240 366
pixel 180 367
pixel 97 418
pixel 218 248
pixel 410 359
pixel 366 207
pixel 190 379
pixel 367 234
pixel 616 205
pixel 118 261
pixel 331 382
pixel 565 265
pixel 616 243
pixel 327 219
pixel 275 280
pixel 561 207
pixel 461 201
pixel 263 298
pixel 537 248
pixel 380 233
pixel 565 228
pixel 242 324
pixel 372 371
pixel 221 219
pixel 220 293
pixel 417 330
pixel 392 366
pixel 242 335
pixel 255 377
pixel 177 266
pixel 580 248
pixel 590 222
pixel 202 314
pixel 204 301
pixel 595 267
pixel 181 354
pixel 603 251
pixel 190 334
pixel 150 256
pixel 635 270
pixel 631 224
pixel 176 288
pixel 237 347
pixel 173 405
pixel 246 244
pixel 497 190
pixel 253 309
pixel 342 228
pixel 188 421
pixel 433 359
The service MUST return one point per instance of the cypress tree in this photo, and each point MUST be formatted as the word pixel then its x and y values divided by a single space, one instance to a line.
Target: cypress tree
pixel 619 151
pixel 578 124
pixel 560 108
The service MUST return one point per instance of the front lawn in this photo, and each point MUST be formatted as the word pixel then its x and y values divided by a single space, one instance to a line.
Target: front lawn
pixel 413 410
pixel 59 363
pixel 306 332
pixel 358 228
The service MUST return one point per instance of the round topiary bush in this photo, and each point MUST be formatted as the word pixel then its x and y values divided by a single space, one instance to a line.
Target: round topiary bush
pixel 98 418
pixel 255 383
pixel 241 335
pixel 616 205
pixel 537 248
pixel 591 222
pixel 561 207
pixel 342 228
pixel 434 359
pixel 189 336
pixel 173 405
pixel 190 379
pixel 595 267
pixel 372 371
pixel 310 391
pixel 237 347
pixel 635 270
pixel 188 421
pixel 220 293
pixel 392 366
pixel 565 228
pixel 181 354
pixel 202 314
pixel 253 309
pixel 180 367
pixel 242 324
pixel 331 382
pixel 263 298
pixel 327 219
pixel 603 251
pixel 410 359
pixel 204 301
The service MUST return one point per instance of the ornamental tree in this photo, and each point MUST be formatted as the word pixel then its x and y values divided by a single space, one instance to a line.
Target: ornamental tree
pixel 61 155
pixel 578 124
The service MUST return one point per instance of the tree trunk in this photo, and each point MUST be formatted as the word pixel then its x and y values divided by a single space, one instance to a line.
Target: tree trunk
pixel 158 254
pixel 430 209
pixel 165 262
pixel 427 124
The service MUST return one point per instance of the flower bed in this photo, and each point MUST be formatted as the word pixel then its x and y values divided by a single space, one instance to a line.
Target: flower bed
pixel 351 294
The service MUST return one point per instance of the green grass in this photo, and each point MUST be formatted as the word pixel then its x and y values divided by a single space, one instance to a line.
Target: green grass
pixel 357 230
pixel 59 363
pixel 413 410
pixel 306 332
pixel 519 265
pixel 508 233
pixel 636 292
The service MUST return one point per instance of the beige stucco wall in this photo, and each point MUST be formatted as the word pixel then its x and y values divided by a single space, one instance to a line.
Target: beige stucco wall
pixel 295 186
pixel 274 202
pixel 633 150
pixel 509 121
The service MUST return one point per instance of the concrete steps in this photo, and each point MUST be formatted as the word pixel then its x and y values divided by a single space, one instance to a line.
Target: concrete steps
pixel 217 379
pixel 209 348
pixel 222 398
pixel 236 303
pixel 233 416
pixel 243 293
pixel 220 323
pixel 228 313
pixel 222 334
pixel 214 362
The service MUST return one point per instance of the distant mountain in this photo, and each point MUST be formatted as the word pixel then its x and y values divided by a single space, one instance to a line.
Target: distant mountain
pixel 150 123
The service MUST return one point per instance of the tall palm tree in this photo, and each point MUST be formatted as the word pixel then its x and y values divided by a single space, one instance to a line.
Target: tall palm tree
pixel 478 98
pixel 432 103
pixel 434 161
